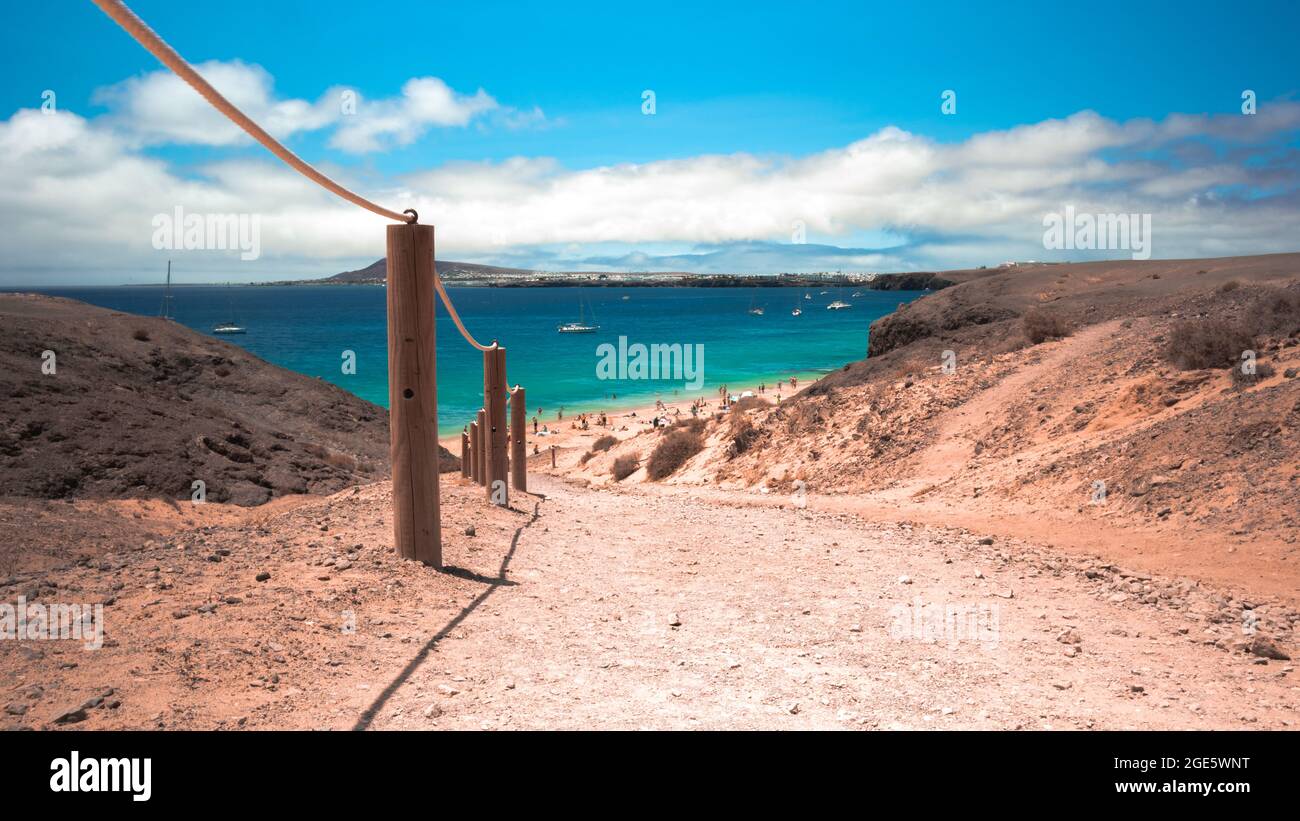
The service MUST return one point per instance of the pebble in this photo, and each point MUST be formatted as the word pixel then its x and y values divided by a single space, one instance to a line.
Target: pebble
pixel 904 579
pixel 263 576
pixel 674 621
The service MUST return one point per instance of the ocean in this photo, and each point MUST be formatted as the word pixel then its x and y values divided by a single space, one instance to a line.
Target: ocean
pixel 308 329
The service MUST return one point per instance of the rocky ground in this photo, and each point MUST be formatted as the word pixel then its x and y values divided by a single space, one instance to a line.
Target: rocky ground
pixel 105 405
pixel 577 609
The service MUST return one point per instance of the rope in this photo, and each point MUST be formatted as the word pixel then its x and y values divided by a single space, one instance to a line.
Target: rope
pixel 156 46
pixel 146 37
pixel 455 317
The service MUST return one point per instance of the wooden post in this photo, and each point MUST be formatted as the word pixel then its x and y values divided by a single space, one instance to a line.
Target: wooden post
pixel 494 402
pixel 552 455
pixel 464 453
pixel 480 447
pixel 412 394
pixel 518 440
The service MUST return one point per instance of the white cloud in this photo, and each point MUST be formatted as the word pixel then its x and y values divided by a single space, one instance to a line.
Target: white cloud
pixel 425 102
pixel 79 194
pixel 159 107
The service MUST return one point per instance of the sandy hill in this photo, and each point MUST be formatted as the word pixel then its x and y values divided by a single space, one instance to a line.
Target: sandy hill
pixel 142 407
pixel 1096 405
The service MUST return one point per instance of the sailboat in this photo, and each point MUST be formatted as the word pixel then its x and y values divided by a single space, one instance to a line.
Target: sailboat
pixel 230 327
pixel 166 311
pixel 579 327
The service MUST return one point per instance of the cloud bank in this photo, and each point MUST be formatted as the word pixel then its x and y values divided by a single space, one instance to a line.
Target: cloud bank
pixel 77 194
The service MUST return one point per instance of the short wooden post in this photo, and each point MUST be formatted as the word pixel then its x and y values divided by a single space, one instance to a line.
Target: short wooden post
pixel 494 435
pixel 473 456
pixel 464 453
pixel 518 437
pixel 552 455
pixel 412 393
pixel 480 447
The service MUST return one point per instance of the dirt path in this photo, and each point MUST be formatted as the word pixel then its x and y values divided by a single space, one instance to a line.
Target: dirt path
pixel 627 608
pixel 953 445
pixel 630 610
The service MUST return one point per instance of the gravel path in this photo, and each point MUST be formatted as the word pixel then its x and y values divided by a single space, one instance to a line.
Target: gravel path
pixel 637 611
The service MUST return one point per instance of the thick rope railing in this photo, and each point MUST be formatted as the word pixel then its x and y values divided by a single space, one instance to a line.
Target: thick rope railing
pixel 155 45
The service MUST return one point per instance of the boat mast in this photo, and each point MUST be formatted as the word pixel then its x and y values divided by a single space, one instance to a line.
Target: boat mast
pixel 167 295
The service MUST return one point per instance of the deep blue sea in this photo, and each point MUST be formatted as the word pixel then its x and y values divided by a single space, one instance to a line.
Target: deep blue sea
pixel 306 328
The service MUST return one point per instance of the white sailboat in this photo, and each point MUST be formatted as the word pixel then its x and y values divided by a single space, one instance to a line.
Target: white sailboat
pixel 579 327
pixel 231 326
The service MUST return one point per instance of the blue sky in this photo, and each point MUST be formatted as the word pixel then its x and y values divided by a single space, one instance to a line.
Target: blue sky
pixel 764 86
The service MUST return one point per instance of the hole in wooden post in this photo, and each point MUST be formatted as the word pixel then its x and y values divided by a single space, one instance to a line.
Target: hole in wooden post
pixel 408 393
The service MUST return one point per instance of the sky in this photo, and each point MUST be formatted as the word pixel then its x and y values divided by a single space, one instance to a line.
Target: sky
pixel 716 137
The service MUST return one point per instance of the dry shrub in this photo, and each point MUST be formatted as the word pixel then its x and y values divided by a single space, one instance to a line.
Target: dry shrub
pixel 749 403
pixel 1240 380
pixel 1207 343
pixel 604 443
pixel 693 424
pixel 587 457
pixel 140 335
pixel 743 434
pixel 1229 286
pixel 625 466
pixel 1040 325
pixel 672 452
pixel 1274 312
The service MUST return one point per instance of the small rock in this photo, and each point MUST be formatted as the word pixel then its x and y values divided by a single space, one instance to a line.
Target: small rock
pixel 469 531
pixel 432 711
pixel 793 709
pixel 1265 648
pixel 16 709
pixel 904 579
pixel 71 716
pixel 1069 636
pixel 986 540
pixel 674 621
pixel 263 576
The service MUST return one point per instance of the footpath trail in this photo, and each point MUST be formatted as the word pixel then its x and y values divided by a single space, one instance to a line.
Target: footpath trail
pixel 626 608
pixel 634 610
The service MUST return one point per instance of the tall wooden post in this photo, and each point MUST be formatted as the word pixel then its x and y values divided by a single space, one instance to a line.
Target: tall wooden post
pixel 412 394
pixel 480 447
pixel 464 453
pixel 518 437
pixel 494 402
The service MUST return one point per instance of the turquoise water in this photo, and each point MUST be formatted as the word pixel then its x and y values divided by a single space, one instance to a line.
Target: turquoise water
pixel 306 328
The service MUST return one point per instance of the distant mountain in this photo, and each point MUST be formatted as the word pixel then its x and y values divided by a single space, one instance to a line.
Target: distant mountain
pixel 377 271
